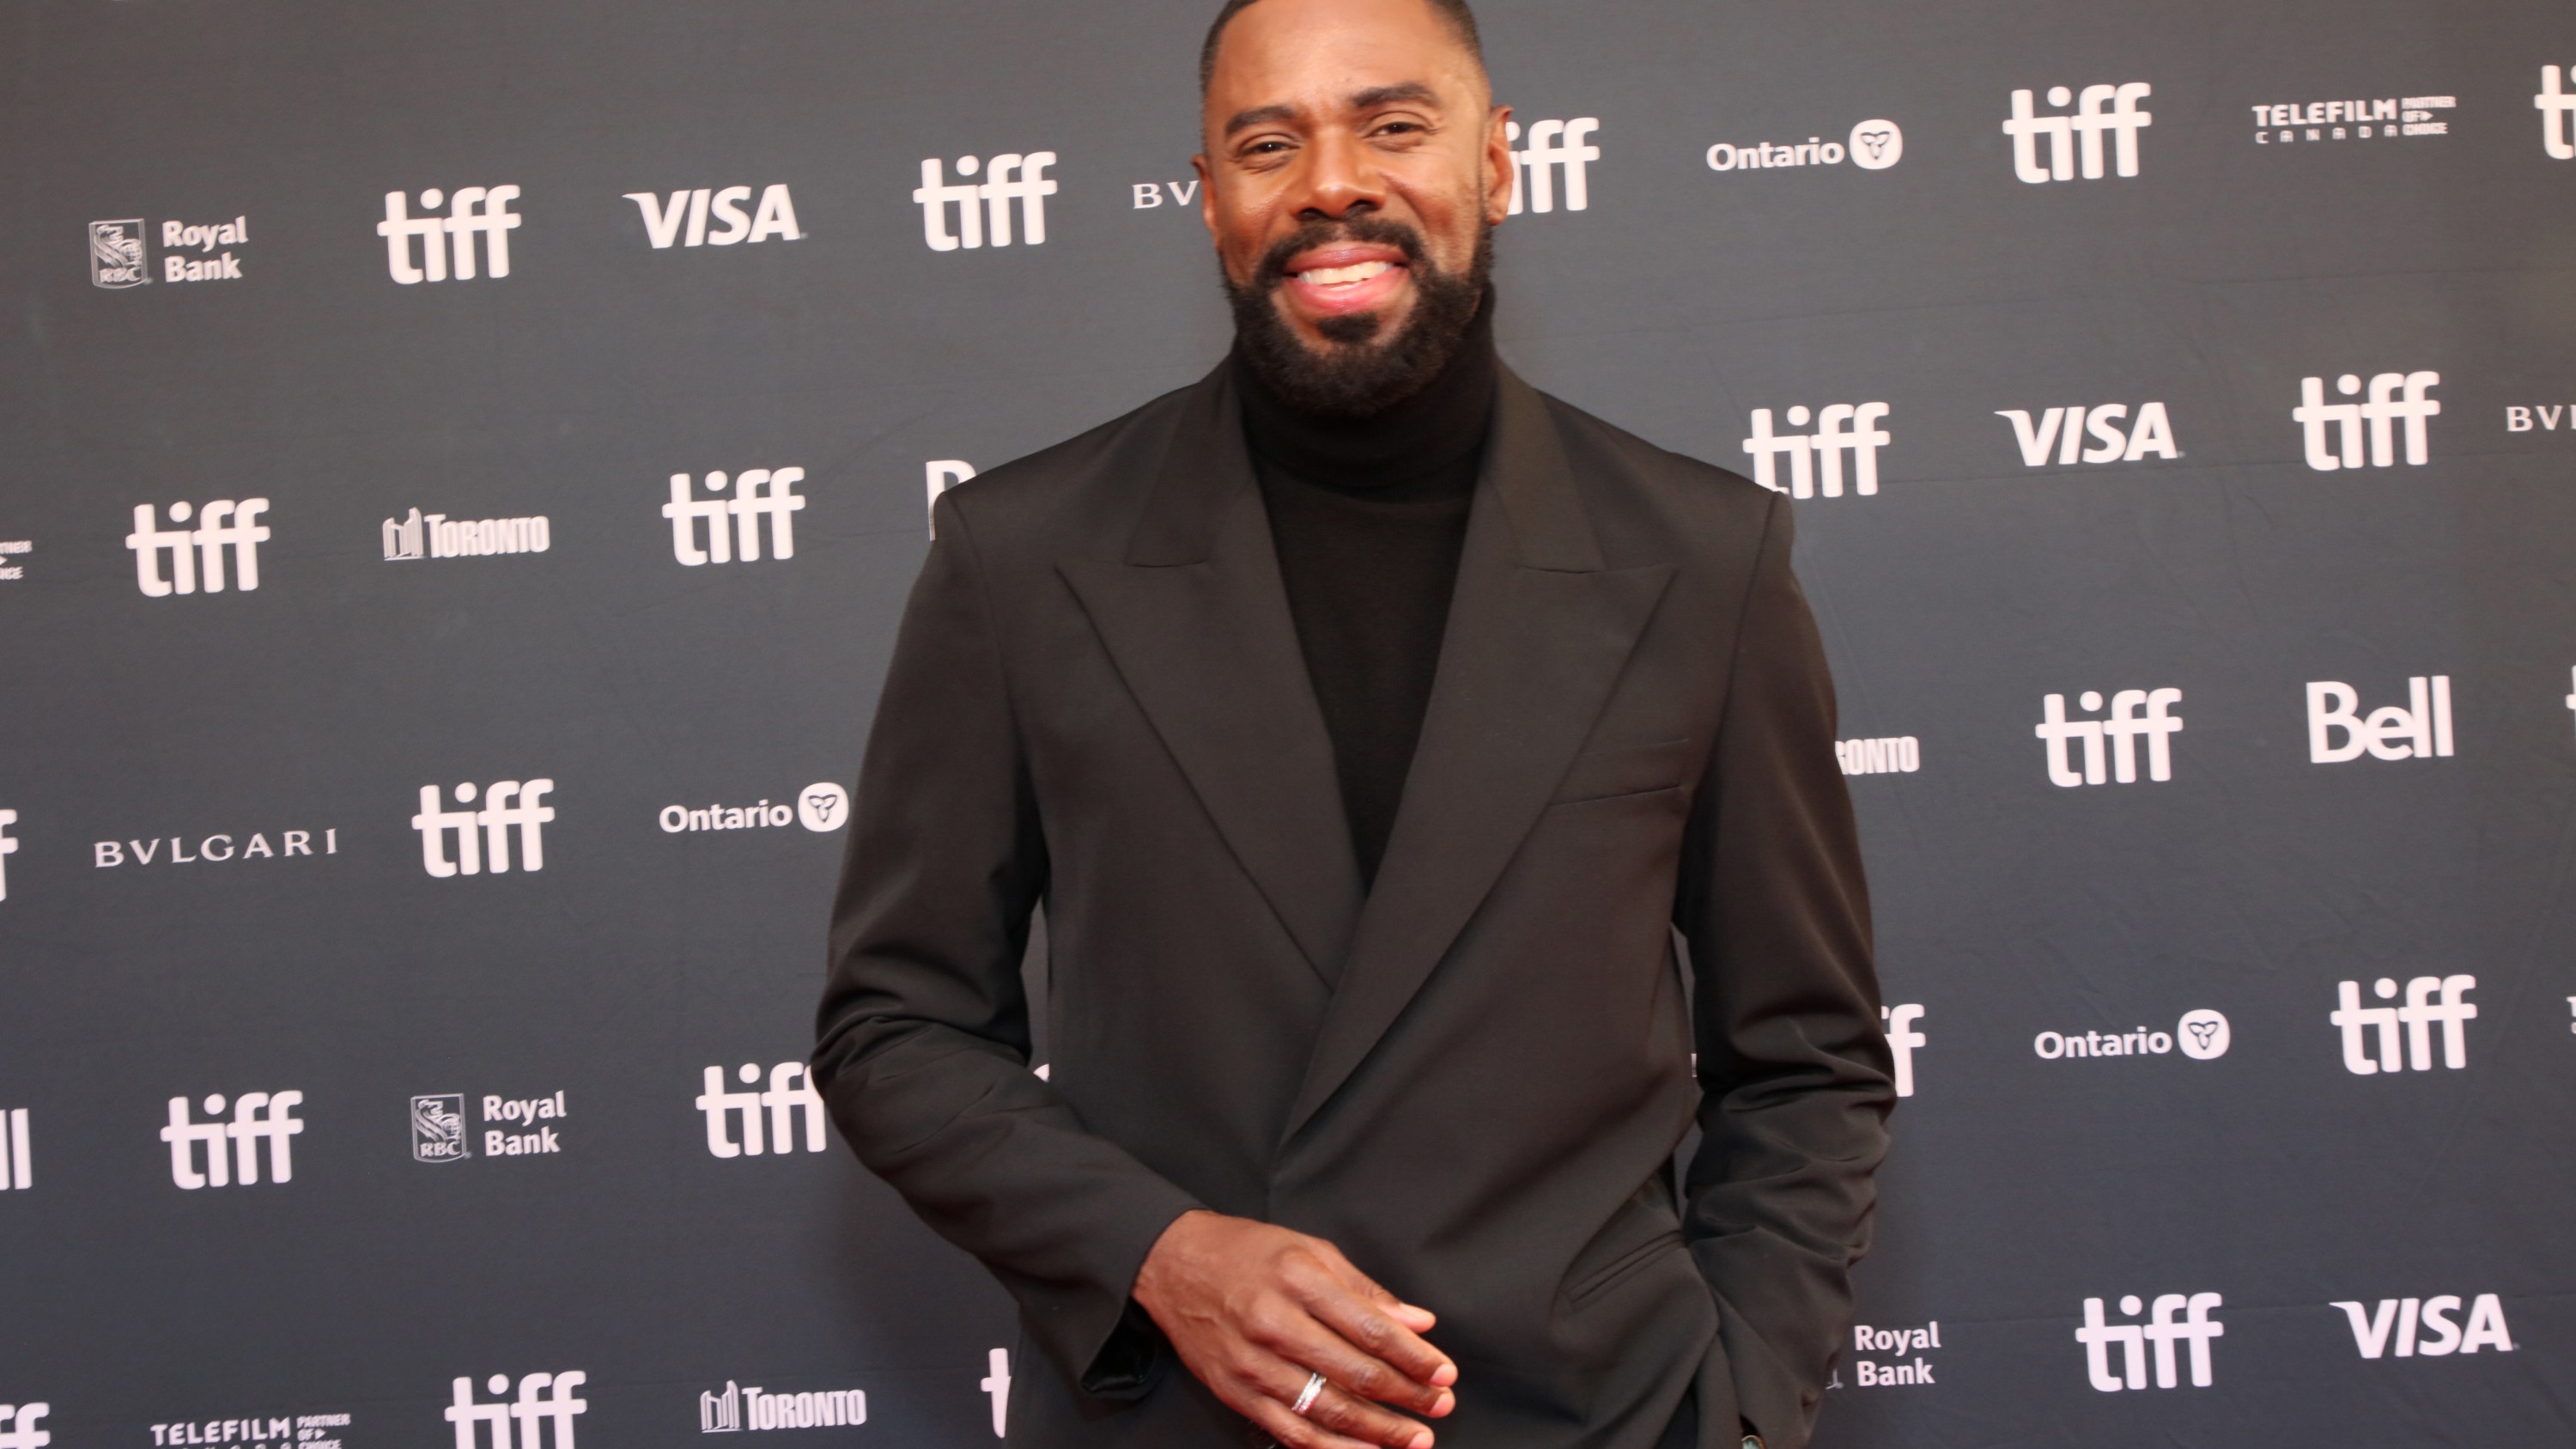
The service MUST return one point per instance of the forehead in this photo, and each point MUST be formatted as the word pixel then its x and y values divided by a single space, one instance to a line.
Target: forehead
pixel 1319 54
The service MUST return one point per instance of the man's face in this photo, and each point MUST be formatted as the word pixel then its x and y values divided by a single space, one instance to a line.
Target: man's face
pixel 1350 146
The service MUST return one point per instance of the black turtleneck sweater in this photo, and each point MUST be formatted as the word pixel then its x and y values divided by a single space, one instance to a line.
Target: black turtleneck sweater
pixel 1368 515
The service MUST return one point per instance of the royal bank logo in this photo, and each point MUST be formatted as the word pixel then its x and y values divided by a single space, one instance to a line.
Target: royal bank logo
pixel 2424 1327
pixel 436 535
pixel 2333 433
pixel 2136 714
pixel 2075 141
pixel 820 807
pixel 438 1128
pixel 257 1117
pixel 116 258
pixel 1816 459
pixel 2161 1333
pixel 2420 729
pixel 1908 1344
pixel 1897 1022
pixel 740 1407
pixel 767 1120
pixel 17 1154
pixel 544 1400
pixel 732 524
pixel 2202 1035
pixel 1873 145
pixel 472 212
pixel 2557 107
pixel 483 835
pixel 1557 153
pixel 1008 178
pixel 2386 118
pixel 225 529
pixel 18 1426
pixel 2371 1034
pixel 2066 430
pixel 681 220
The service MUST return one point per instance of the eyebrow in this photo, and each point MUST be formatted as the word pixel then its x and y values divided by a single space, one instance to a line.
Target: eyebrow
pixel 1401 93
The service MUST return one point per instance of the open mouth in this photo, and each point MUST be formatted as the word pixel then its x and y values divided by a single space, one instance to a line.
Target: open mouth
pixel 1344 278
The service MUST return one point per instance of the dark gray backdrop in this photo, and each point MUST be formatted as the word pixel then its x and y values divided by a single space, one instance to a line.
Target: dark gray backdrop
pixel 1681 298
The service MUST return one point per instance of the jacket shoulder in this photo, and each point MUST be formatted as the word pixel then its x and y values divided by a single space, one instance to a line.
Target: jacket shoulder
pixel 1093 480
pixel 1607 447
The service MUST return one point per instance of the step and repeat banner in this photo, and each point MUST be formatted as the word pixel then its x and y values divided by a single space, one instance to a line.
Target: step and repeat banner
pixel 465 461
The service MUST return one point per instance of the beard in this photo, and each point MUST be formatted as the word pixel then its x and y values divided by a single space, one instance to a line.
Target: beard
pixel 1357 374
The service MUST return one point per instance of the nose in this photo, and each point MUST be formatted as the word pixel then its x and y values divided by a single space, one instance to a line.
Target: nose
pixel 1342 179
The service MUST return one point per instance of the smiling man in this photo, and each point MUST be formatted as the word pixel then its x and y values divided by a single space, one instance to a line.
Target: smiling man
pixel 1431 792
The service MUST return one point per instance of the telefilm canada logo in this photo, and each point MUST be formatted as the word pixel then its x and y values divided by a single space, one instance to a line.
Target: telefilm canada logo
pixel 301 1431
pixel 1872 145
pixel 1552 164
pixel 2385 118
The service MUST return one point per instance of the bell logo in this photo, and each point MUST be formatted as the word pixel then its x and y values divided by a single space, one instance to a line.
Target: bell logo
pixel 775 216
pixel 2394 397
pixel 2079 133
pixel 2420 730
pixel 2197 1328
pixel 2423 1326
pixel 2429 1000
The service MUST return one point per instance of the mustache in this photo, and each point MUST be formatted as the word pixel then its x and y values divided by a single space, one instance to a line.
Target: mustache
pixel 1273 268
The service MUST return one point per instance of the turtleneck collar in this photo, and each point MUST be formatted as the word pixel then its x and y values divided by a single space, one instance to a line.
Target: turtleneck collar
pixel 1426 444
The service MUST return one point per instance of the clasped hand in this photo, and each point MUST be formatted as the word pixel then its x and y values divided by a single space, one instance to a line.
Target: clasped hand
pixel 1254 1310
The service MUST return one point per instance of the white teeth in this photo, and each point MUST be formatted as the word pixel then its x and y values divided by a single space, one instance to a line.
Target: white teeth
pixel 1336 276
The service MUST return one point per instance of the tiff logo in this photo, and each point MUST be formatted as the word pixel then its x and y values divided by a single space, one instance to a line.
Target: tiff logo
pixel 2067 427
pixel 2557 107
pixel 1820 452
pixel 1554 146
pixel 543 1398
pixel 2080 133
pixel 2424 728
pixel 2122 730
pixel 2424 1326
pixel 256 1116
pixel 2197 1328
pixel 1902 1039
pixel 996 194
pixel 473 211
pixel 791 1086
pixel 8 848
pixel 222 524
pixel 996 1385
pixel 17 1161
pixel 2429 1000
pixel 18 1426
pixel 756 492
pixel 774 217
pixel 2394 397
pixel 505 803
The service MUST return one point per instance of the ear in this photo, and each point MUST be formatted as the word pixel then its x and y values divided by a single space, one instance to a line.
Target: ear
pixel 1207 192
pixel 1500 175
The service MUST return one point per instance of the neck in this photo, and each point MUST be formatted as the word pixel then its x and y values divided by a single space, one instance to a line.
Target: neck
pixel 1433 436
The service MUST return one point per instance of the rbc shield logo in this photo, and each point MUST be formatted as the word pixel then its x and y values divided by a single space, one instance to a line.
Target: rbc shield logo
pixel 116 254
pixel 438 1128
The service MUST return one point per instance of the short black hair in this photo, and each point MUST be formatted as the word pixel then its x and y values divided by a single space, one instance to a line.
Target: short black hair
pixel 1460 19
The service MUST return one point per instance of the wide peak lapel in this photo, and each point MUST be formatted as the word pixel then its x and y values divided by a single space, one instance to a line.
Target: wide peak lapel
pixel 1538 632
pixel 1196 620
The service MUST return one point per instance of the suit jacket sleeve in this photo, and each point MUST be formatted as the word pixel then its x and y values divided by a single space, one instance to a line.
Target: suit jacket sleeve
pixel 923 1041
pixel 1793 1065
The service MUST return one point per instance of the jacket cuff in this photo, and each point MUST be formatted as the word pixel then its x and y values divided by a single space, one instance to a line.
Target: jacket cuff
pixel 1102 1339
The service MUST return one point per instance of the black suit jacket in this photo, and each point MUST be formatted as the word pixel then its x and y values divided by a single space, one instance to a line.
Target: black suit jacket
pixel 1472 1078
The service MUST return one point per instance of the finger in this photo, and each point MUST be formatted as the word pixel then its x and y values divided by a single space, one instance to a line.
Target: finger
pixel 1313 1345
pixel 1369 1328
pixel 1413 1316
pixel 1332 1420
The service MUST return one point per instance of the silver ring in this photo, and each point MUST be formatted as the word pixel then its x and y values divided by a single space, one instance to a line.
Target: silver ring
pixel 1306 1399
